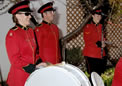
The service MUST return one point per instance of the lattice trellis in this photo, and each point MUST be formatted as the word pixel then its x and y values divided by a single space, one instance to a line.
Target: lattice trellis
pixel 74 19
pixel 75 14
pixel 114 35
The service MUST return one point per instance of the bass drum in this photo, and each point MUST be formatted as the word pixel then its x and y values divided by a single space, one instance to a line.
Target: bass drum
pixel 58 75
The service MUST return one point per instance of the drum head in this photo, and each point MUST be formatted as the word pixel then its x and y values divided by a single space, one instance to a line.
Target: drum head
pixel 57 76
pixel 96 79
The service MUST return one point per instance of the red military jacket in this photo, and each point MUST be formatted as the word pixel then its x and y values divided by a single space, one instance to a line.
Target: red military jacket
pixel 92 34
pixel 117 79
pixel 48 41
pixel 21 49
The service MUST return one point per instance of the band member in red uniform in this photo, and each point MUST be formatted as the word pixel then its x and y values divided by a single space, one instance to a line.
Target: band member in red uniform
pixel 21 45
pixel 93 44
pixel 117 79
pixel 47 35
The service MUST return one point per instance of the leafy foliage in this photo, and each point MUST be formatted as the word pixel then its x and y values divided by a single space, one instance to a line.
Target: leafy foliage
pixel 111 8
pixel 87 74
pixel 74 56
pixel 115 8
pixel 107 76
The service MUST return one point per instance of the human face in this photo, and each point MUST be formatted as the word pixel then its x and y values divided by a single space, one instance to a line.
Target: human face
pixel 48 16
pixel 23 18
pixel 96 18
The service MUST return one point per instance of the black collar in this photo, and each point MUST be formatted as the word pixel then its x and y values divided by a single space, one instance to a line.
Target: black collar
pixel 46 22
pixel 95 23
pixel 24 28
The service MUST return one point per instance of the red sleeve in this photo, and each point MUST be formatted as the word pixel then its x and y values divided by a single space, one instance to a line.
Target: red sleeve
pixel 59 50
pixel 13 50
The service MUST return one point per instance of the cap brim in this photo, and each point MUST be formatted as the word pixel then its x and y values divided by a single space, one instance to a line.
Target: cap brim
pixel 99 13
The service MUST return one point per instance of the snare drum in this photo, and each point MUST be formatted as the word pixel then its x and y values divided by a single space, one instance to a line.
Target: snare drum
pixel 58 75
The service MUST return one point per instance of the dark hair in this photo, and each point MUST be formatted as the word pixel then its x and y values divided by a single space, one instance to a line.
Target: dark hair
pixel 15 20
pixel 42 15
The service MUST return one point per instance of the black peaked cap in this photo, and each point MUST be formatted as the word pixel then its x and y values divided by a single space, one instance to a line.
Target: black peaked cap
pixel 20 6
pixel 46 7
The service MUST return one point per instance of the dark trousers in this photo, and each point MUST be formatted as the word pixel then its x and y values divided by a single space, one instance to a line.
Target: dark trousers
pixel 95 65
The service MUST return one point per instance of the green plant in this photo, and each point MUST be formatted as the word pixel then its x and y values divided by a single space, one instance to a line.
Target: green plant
pixel 115 9
pixel 74 56
pixel 107 76
pixel 87 74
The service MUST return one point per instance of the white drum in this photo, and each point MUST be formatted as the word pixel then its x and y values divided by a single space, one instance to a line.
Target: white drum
pixel 58 75
pixel 96 79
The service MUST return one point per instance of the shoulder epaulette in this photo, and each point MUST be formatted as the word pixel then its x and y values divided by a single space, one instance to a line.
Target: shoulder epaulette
pixel 14 28
pixel 29 26
pixel 38 25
